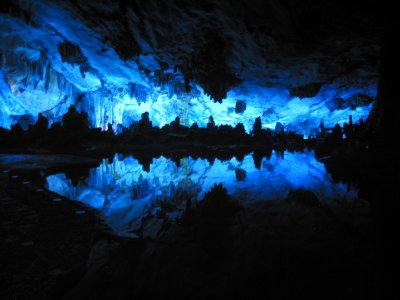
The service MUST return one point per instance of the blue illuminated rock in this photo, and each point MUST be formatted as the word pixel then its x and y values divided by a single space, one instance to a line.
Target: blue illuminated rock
pixel 116 61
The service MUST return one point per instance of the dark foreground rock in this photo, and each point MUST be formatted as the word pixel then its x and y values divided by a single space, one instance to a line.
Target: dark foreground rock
pixel 46 240
pixel 220 250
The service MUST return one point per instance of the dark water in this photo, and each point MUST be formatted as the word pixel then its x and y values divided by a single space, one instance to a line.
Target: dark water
pixel 125 193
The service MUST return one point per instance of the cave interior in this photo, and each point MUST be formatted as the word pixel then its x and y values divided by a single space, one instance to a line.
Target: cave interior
pixel 197 149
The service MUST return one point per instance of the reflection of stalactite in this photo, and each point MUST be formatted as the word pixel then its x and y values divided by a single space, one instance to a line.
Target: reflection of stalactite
pixel 184 163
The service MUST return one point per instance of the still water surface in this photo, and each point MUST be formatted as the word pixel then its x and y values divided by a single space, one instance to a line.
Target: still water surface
pixel 124 193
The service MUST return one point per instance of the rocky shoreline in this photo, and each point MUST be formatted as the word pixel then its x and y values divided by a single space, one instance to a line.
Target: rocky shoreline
pixel 46 241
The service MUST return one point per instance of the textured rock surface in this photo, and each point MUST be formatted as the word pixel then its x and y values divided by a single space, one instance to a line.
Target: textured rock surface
pixel 305 62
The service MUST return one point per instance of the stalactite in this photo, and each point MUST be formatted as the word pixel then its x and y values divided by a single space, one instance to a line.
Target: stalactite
pixel 43 76
pixel 170 83
pixel 100 103
pixel 139 92
pixel 33 80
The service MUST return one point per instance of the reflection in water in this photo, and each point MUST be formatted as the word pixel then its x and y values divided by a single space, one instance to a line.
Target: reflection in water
pixel 125 193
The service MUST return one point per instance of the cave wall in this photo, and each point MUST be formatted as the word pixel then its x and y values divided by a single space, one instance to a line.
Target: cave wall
pixel 193 59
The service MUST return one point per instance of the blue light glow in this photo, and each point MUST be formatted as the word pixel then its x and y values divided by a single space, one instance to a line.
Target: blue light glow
pixel 35 78
pixel 125 194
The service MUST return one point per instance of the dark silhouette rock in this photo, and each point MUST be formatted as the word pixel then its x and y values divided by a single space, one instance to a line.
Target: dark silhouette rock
pixel 257 127
pixel 240 174
pixel 74 121
pixel 240 106
pixel 303 197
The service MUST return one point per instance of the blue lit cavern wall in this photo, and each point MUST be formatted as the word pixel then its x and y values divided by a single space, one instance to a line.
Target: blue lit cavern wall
pixel 117 60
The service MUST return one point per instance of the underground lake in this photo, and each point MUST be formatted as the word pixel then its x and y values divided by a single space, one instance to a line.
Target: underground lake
pixel 125 194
